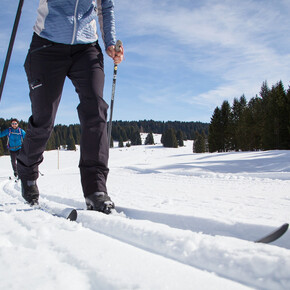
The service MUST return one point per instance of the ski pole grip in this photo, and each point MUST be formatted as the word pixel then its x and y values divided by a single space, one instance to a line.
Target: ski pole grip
pixel 118 45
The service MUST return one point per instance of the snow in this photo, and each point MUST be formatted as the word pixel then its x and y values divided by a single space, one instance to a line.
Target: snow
pixel 187 221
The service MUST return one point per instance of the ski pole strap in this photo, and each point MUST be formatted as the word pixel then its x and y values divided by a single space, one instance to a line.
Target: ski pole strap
pixel 118 45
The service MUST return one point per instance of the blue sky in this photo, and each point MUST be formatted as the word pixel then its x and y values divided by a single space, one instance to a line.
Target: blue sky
pixel 182 57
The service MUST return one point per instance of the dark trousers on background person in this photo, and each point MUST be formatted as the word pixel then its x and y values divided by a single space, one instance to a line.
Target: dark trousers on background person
pixel 47 65
pixel 13 156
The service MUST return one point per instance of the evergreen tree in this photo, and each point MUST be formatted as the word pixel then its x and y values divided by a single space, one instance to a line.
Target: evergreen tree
pixel 262 123
pixel 267 131
pixel 238 108
pixel 256 119
pixel 199 144
pixel 129 131
pixel 282 117
pixel 71 145
pixel 1 148
pixel 226 135
pixel 4 124
pixel 136 138
pixel 169 138
pixel 265 91
pixel 179 137
pixel 215 132
pixel 122 133
pixel 57 141
pixel 76 131
pixel 114 134
pixel 111 142
pixel 249 126
pixel 149 139
pixel 51 142
pixel 242 125
pixel 275 127
pixel 288 118
pixel 121 144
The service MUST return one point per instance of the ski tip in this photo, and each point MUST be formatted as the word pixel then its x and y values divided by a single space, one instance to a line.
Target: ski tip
pixel 72 215
pixel 285 227
pixel 274 235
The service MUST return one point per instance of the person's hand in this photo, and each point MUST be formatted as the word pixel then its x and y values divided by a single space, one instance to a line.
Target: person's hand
pixel 117 56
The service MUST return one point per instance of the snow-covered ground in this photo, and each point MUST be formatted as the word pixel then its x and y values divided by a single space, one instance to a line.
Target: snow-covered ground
pixel 187 222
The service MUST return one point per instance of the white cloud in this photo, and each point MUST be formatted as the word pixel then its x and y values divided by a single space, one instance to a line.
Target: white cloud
pixel 239 43
pixel 192 53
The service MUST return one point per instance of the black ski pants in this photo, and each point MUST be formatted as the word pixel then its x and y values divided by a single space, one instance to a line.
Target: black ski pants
pixel 13 156
pixel 47 65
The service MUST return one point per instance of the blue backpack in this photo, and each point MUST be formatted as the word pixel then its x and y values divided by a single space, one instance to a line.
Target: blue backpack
pixel 15 133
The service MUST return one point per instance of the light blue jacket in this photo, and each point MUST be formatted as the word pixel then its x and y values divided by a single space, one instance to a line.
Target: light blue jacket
pixel 15 138
pixel 74 21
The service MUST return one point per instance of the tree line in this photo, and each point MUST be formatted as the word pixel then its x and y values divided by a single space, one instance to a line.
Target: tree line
pixel 122 131
pixel 126 129
pixel 263 123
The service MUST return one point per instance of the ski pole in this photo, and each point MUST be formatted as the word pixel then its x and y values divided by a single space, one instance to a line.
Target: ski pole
pixel 117 48
pixel 10 47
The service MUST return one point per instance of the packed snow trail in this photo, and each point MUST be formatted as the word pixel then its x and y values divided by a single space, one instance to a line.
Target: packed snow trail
pixel 222 255
pixel 58 254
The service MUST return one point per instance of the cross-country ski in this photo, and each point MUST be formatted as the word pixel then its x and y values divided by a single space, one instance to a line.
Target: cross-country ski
pixel 131 214
pixel 275 235
pixel 55 209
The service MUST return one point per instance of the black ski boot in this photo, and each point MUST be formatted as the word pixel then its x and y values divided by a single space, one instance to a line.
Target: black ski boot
pixel 100 201
pixel 30 191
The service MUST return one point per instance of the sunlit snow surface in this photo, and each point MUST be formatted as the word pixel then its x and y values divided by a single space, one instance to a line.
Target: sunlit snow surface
pixel 185 221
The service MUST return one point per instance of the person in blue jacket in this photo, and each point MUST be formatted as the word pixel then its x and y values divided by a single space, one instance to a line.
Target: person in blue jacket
pixel 65 44
pixel 15 137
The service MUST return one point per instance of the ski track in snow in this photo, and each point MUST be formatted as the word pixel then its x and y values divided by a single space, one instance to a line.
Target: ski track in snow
pixel 213 254
pixel 74 266
pixel 156 242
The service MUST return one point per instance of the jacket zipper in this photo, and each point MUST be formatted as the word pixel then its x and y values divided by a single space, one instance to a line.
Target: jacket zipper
pixel 75 22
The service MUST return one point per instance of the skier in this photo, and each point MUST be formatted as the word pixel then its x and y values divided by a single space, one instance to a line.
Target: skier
pixel 15 136
pixel 65 44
